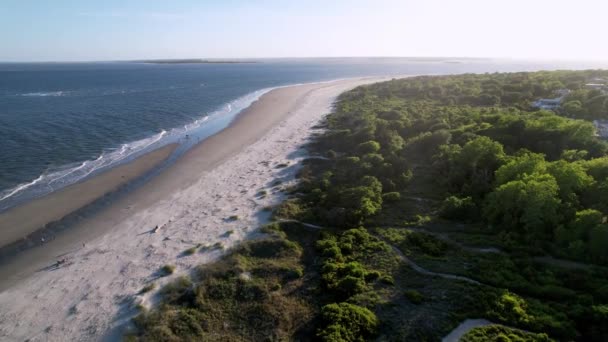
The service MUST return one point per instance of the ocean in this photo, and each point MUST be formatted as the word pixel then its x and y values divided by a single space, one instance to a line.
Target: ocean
pixel 61 123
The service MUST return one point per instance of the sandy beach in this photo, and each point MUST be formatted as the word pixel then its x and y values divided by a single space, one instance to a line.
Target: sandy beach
pixel 93 294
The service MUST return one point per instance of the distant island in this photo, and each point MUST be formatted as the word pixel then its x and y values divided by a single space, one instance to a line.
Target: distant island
pixel 193 61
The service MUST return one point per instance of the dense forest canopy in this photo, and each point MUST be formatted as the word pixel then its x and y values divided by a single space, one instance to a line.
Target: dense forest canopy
pixel 529 174
pixel 432 200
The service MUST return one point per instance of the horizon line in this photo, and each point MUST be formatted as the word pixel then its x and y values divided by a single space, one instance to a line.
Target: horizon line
pixel 299 57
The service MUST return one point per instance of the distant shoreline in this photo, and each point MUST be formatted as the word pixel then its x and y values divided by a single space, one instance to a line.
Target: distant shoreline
pixel 193 61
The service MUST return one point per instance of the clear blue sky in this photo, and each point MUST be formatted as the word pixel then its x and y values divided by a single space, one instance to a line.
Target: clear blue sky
pixel 114 29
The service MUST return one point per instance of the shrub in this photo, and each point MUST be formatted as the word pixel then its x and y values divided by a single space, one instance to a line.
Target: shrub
pixel 414 296
pixel 273 229
pixel 428 244
pixel 190 250
pixel 369 147
pixel 456 208
pixel 176 289
pixel 387 279
pixel 147 288
pixel 502 333
pixel 391 197
pixel 288 209
pixel 272 248
pixel 294 273
pixel 167 270
pixel 347 322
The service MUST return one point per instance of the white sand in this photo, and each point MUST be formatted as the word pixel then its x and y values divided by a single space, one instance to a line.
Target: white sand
pixel 93 294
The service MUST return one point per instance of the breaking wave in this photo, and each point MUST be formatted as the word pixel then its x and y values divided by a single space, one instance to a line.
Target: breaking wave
pixel 57 178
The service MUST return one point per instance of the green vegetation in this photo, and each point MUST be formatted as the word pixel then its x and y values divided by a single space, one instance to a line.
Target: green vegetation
pixel 167 270
pixel 256 292
pixel 499 333
pixel 347 322
pixel 147 288
pixel 191 250
pixel 585 103
pixel 414 296
pixel 428 179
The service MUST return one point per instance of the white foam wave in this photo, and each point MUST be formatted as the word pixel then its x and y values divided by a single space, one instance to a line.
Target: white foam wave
pixel 46 93
pixel 21 187
pixel 56 179
pixel 52 180
pixel 62 175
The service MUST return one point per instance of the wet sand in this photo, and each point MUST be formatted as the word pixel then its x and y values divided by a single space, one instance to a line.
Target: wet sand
pixel 19 222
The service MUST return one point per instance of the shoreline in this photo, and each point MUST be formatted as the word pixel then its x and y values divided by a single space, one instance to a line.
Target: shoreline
pixel 19 225
pixel 26 231
pixel 190 201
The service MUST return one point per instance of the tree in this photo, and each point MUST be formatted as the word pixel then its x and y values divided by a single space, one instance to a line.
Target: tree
pixel 597 107
pixel 574 155
pixel 573 108
pixel 584 221
pixel 427 144
pixel 456 208
pixel 477 161
pixel 518 167
pixel 598 242
pixel 528 206
pixel 354 204
pixel 571 178
pixel 369 147
pixel 597 168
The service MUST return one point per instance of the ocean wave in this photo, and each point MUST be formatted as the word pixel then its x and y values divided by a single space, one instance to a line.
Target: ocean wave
pixel 20 187
pixel 46 93
pixel 55 179
pixel 52 180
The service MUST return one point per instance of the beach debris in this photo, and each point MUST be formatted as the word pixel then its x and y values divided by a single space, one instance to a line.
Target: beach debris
pixel 60 262
pixel 155 229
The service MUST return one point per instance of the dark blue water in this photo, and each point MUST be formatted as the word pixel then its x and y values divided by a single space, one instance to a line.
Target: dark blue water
pixel 60 123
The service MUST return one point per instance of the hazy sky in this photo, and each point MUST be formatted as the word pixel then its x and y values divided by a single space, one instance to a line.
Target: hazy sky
pixel 122 29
